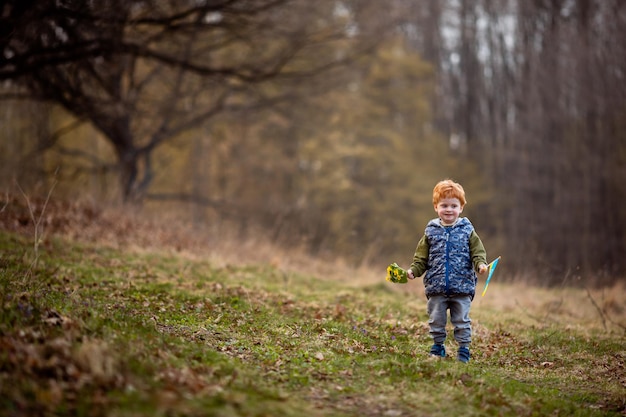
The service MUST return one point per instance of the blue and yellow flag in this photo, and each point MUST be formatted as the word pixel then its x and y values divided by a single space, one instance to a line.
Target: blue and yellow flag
pixel 492 267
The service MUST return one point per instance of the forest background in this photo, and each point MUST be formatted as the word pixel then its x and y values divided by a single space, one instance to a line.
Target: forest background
pixel 324 125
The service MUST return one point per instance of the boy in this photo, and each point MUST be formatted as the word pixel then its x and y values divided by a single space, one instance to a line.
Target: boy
pixel 449 252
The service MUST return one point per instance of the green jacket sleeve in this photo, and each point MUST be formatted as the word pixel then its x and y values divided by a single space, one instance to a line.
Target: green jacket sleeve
pixel 420 258
pixel 477 251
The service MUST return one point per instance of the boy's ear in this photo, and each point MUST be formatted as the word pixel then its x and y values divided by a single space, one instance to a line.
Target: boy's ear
pixel 435 207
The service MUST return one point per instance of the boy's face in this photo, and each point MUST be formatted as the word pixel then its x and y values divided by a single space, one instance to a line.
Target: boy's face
pixel 448 209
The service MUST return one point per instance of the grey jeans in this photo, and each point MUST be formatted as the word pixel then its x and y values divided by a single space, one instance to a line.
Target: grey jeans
pixel 459 306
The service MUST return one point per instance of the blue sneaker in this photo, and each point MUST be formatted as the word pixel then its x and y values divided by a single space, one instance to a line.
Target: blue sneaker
pixel 438 350
pixel 463 354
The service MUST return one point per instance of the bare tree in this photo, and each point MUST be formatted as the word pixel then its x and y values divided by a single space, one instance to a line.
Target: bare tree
pixel 534 88
pixel 143 72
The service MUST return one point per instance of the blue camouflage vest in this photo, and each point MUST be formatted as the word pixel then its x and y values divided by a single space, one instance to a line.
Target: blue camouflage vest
pixel 450 268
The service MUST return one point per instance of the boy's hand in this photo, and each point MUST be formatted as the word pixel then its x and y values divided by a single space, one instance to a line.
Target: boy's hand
pixel 482 268
pixel 409 274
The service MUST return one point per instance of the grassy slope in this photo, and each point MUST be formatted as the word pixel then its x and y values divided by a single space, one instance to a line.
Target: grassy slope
pixel 88 330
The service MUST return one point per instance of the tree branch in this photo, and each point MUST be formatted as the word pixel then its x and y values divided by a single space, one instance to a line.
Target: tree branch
pixel 603 316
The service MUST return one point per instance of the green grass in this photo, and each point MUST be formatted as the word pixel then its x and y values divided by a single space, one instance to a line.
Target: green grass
pixel 88 330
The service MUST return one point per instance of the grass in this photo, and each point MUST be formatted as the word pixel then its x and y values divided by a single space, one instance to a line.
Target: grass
pixel 87 329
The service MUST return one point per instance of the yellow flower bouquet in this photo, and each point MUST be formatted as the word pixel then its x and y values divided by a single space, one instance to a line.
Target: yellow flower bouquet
pixel 396 274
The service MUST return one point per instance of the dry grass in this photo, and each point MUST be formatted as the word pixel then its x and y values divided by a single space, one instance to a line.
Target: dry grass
pixel 221 245
pixel 135 331
pixel 598 309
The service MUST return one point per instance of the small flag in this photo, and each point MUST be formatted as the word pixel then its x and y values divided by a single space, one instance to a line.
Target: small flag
pixel 396 274
pixel 492 267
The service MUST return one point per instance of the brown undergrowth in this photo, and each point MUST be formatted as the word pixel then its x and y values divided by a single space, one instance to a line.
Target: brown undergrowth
pixel 180 321
pixel 86 221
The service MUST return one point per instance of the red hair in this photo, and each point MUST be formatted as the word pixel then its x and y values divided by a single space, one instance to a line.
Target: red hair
pixel 448 189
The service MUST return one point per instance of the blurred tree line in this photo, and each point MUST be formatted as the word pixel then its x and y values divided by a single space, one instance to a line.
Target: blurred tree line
pixel 326 124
